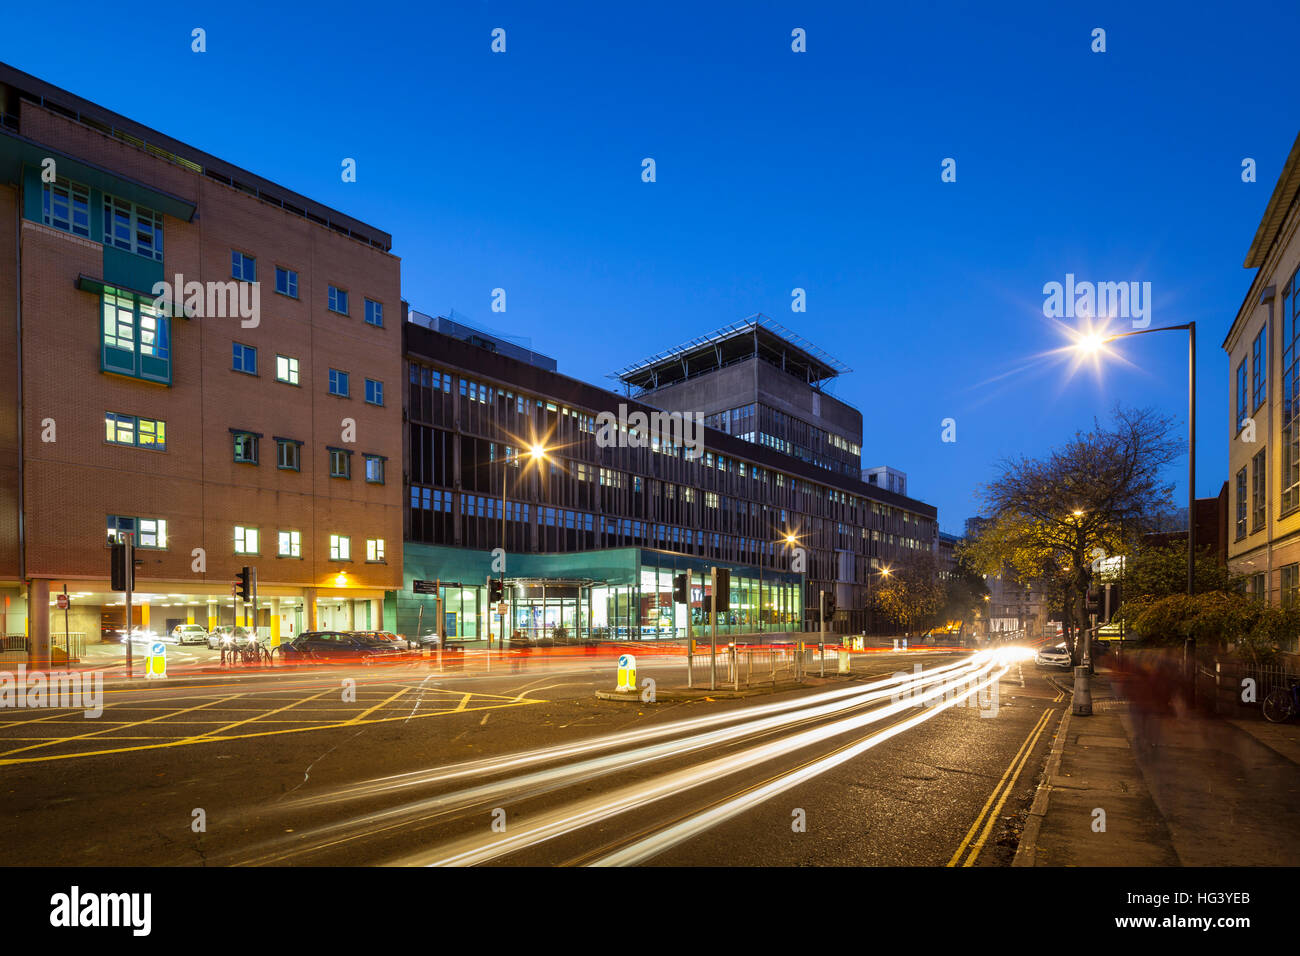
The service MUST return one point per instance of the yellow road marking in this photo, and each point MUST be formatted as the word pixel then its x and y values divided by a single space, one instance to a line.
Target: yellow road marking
pixel 268 713
pixel 105 730
pixel 208 739
pixel 1025 749
pixel 384 703
pixel 1011 785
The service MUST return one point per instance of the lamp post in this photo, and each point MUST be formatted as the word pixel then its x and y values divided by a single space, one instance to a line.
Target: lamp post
pixel 536 452
pixel 1092 344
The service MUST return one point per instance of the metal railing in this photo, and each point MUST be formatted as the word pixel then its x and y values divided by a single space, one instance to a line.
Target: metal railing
pixel 754 665
pixel 64 648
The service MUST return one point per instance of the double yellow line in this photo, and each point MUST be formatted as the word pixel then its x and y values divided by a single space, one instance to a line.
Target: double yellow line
pixel 1000 793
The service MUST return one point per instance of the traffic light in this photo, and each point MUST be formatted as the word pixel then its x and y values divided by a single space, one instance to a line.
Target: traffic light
pixel 828 602
pixel 496 590
pixel 243 591
pixel 1092 601
pixel 117 568
pixel 722 591
pixel 681 589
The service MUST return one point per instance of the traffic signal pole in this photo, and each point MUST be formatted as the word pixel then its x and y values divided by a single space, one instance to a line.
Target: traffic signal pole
pixel 713 635
pixel 129 580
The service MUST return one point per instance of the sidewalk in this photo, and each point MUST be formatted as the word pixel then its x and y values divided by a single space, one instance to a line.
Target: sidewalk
pixel 1176 789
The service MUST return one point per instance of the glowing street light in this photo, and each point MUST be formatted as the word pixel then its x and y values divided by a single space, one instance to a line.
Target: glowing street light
pixel 1091 342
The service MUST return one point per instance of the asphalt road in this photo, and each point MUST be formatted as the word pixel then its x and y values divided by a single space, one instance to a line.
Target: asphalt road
pixel 525 766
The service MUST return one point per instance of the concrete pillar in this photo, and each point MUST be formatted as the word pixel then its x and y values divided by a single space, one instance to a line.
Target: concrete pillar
pixel 275 622
pixel 190 614
pixel 144 617
pixel 212 615
pixel 309 605
pixel 38 618
pixel 377 614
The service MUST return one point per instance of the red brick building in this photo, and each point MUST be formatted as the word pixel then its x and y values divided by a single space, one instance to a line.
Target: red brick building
pixel 251 424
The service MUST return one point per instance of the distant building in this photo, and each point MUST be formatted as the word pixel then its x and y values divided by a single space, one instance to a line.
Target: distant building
pixel 945 554
pixel 891 479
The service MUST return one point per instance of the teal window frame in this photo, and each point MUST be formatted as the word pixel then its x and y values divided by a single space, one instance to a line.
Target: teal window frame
pixel 340 463
pixel 375 466
pixel 245 447
pixel 117 426
pixel 135 338
pixel 281 446
pixel 133 228
pixel 243 358
pixel 74 198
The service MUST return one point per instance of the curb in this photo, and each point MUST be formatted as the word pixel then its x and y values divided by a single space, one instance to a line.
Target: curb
pixel 1027 850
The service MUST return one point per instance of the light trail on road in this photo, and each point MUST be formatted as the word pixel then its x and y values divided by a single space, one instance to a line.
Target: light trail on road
pixel 608 754
pixel 683 737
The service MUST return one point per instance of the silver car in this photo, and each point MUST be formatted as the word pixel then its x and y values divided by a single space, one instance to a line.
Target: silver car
pixel 1058 656
pixel 190 634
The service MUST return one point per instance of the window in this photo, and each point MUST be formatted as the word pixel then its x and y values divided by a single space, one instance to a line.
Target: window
pixel 66 206
pixel 290 544
pixel 338 383
pixel 340 463
pixel 244 358
pixel 1259 586
pixel 1241 503
pixel 374 392
pixel 243 267
pixel 1258 489
pixel 375 469
pixel 340 547
pixel 374 312
pixel 150 533
pixel 133 228
pixel 129 430
pixel 286 369
pixel 374 549
pixel 338 300
pixel 245 446
pixel 1289 477
pixel 1259 369
pixel 286 282
pixel 1242 412
pixel 245 540
pixel 136 339
pixel 1290 583
pixel 288 454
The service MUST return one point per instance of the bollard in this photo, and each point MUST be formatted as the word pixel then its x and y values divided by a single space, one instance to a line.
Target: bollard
pixel 821 658
pixel 1082 693
pixel 844 662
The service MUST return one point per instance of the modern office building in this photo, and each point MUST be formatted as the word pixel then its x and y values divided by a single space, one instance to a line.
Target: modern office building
pixel 594 534
pixel 248 419
pixel 1263 347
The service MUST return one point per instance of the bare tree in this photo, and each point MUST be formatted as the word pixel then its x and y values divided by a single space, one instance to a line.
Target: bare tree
pixel 1050 515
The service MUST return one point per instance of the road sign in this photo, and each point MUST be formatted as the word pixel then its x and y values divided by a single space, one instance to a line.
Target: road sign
pixel 431 587
pixel 626 672
pixel 501 608
pixel 156 664
pixel 63 602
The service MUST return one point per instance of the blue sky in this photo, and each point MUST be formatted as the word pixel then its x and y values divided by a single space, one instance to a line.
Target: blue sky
pixel 775 170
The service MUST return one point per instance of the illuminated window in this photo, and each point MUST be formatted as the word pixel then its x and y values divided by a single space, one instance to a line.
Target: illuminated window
pixel 286 369
pixel 374 549
pixel 290 544
pixel 245 540
pixel 340 547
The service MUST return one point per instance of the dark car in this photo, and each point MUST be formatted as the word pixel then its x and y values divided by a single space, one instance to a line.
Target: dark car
pixel 357 647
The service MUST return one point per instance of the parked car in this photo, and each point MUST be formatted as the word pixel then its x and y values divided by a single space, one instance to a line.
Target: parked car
pixel 190 634
pixel 240 635
pixel 396 640
pixel 427 641
pixel 358 647
pixel 1054 656
pixel 143 635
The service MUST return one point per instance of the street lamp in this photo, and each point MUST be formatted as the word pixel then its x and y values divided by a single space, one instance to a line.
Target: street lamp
pixel 792 541
pixel 1092 343
pixel 536 452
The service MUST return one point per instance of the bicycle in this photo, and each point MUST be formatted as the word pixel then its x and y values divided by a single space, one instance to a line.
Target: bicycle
pixel 1282 703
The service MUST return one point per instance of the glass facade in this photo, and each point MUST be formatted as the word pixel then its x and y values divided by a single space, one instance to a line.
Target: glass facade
pixel 615 594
